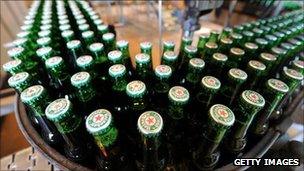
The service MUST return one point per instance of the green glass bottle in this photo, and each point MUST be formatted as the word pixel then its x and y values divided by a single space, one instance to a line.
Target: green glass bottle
pixel 109 42
pixel 186 41
pixel 262 44
pixel 68 123
pixel 273 40
pixel 226 32
pixel 36 99
pixel 269 60
pixel 20 81
pixel 45 33
pixel 257 32
pixel 123 46
pixel 255 70
pixel 248 36
pixel 220 119
pixel 280 54
pixel 44 42
pixel 115 57
pixel 85 92
pixel 238 29
pixel 273 92
pixel 237 39
pixel 107 138
pixel 170 58
pixel 216 65
pixel 225 45
pixel 64 27
pixel 168 46
pixel 298 65
pixel 251 50
pixel 193 75
pixel 146 47
pixel 290 52
pixel 298 44
pixel 214 35
pixel 102 29
pixel 68 35
pixel 203 39
pixel 45 53
pixel 13 67
pixel 88 37
pixel 143 69
pixel 75 51
pixel 248 105
pixel 210 49
pixel 235 57
pixel 292 78
pixel 150 125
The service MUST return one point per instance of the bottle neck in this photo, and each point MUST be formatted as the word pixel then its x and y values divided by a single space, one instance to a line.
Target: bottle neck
pixel 85 93
pixel 106 141
pixel 119 84
pixel 150 152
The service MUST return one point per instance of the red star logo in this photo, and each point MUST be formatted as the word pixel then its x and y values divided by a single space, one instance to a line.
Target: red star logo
pixel 150 120
pixel 223 113
pixel 179 92
pixel 98 118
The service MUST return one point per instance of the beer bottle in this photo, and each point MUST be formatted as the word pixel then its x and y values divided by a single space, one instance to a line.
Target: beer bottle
pixel 75 51
pixel 214 35
pixel 20 81
pixel 175 129
pixel 203 39
pixel 262 44
pixel 273 93
pixel 68 123
pixel 186 41
pixel 238 29
pixel 235 57
pixel 251 50
pixel 85 92
pixel 280 54
pixel 102 29
pixel 220 119
pixel 115 57
pixel 168 46
pixel 86 63
pixel 298 65
pixel 273 40
pixel 81 21
pixel 269 60
pixel 109 42
pixel 237 39
pixel 146 47
pixel 83 27
pixel 68 35
pixel 210 49
pixel 248 36
pixel 193 75
pixel 123 46
pixel 225 45
pixel 255 70
pixel 161 86
pixel 296 43
pixel 248 105
pixel 292 78
pixel 290 52
pixel 107 138
pixel 280 36
pixel 216 64
pixel 170 58
pixel 64 27
pixel 45 53
pixel 44 42
pixel 152 158
pixel 13 67
pixel 226 32
pixel 257 32
pixel 36 99
pixel 45 33
pixel 88 37
pixel 143 67
pixel 234 81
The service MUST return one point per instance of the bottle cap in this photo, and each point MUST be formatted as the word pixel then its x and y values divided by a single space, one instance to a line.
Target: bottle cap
pixel 222 115
pixel 279 34
pixel 44 41
pixel 122 43
pixel 277 85
pixel 291 73
pixel 170 56
pixel 253 98
pixel 64 21
pixel 84 61
pixel 115 55
pixel 211 45
pixel 236 36
pixel 150 123
pixel 163 71
pixel 295 42
pixel 186 39
pixel 32 94
pixel 54 62
pixel 80 78
pixel 20 42
pixel 220 57
pixel 117 70
pixel 12 66
pixel 46 27
pixel 190 49
pixel 287 46
pixel 226 40
pixel 258 31
pixel 203 36
pixel 102 27
pixel 96 21
pixel 67 33
pixel 248 33
pixel 18 79
pixel 237 51
pixel 179 95
pixel 278 51
pixel 83 27
pixel 211 82
pixel 87 34
pixel 261 41
pixel 237 74
pixel 197 63
pixel 251 46
pixel 145 45
pixel 108 36
pixel 59 109
pixel 26 27
pixel 44 52
pixel 169 43
pixel 98 121
pixel 15 52
pixel 81 21
pixel 73 44
pixel 228 29
pixel 23 34
pixel 257 65
pixel 268 57
pixel 136 88
pixel 298 64
pixel 96 47
pixel 271 37
pixel 44 33
pixel 142 58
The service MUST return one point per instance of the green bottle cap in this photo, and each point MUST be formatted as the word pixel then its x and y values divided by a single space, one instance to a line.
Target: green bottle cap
pixel 219 57
pixel 59 110
pixel 170 56
pixel 73 44
pixel 298 64
pixel 267 57
pixel 44 33
pixel 84 61
pixel 23 34
pixel 96 47
pixel 87 34
pixel 19 79
pixel 136 88
pixel 179 95
pixel 115 55
pixel 226 41
pixel 257 65
pixel 67 33
pixel 169 43
pixel 211 83
pixel 117 70
pixel 13 66
pixel 163 71
pixel 122 43
pixel 197 63
pixel 150 124
pixel 16 52
pixel 145 45
pixel 83 27
pixel 221 115
pixel 211 45
pixel 44 41
pixel 99 121
pixel 253 98
pixel 33 94
pixel 108 36
pixel 237 51
pixel 251 46
pixel 278 51
pixel 54 62
pixel 277 86
pixel 80 79
pixel 44 52
pixel 293 74
pixel 190 49
pixel 102 28
pixel 237 74
pixel 142 58
pixel 261 41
